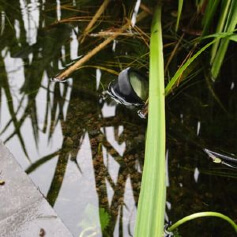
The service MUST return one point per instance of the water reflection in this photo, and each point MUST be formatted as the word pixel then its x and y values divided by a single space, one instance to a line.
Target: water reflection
pixel 86 154
pixel 81 156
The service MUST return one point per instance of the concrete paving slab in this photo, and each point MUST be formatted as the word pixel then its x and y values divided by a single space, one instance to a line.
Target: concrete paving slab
pixel 23 209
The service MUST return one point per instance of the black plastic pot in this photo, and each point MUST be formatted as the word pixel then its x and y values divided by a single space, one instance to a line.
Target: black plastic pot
pixel 131 88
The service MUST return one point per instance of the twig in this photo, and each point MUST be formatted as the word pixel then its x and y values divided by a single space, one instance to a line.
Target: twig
pixel 146 9
pixel 109 33
pixel 94 19
pixel 94 51
pixel 173 52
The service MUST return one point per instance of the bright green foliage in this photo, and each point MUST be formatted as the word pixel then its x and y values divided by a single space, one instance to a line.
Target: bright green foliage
pixel 203 214
pixel 151 206
pixel 227 24
pixel 227 10
pixel 180 71
pixel 209 14
pixel 180 7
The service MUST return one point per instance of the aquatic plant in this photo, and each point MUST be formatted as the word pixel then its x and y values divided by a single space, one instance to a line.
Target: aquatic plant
pixel 187 50
pixel 151 206
pixel 200 215
pixel 226 23
pixel 150 217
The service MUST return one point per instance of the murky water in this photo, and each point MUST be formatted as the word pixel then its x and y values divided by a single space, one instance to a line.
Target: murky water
pixel 86 154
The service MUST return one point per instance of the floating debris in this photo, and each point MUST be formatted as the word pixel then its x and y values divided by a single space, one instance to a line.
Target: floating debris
pixel 222 159
pixel 42 232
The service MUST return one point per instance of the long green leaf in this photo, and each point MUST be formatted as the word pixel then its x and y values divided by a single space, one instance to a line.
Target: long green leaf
pixel 151 206
pixel 224 11
pixel 180 71
pixel 180 7
pixel 233 38
pixel 230 26
pixel 203 214
pixel 209 15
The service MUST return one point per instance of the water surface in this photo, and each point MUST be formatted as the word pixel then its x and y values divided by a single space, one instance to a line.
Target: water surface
pixel 86 154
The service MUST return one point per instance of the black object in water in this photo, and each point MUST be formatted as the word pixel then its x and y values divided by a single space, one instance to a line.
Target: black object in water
pixel 130 89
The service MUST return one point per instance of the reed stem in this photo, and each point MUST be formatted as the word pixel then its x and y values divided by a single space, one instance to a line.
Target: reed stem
pixel 151 206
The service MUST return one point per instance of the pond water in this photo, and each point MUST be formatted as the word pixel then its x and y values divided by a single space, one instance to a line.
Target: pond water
pixel 85 153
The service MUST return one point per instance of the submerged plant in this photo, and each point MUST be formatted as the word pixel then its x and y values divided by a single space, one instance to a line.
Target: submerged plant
pixel 202 214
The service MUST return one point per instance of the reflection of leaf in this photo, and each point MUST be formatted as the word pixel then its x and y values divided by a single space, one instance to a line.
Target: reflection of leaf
pixel 41 161
pixel 57 180
pixel 6 87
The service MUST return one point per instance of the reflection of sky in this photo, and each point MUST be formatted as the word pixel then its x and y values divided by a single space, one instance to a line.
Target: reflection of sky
pixel 78 189
pixel 30 13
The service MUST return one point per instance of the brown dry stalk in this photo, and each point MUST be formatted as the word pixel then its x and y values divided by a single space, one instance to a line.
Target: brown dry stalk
pixel 105 34
pixel 94 51
pixel 173 53
pixel 189 55
pixel 94 19
pixel 146 9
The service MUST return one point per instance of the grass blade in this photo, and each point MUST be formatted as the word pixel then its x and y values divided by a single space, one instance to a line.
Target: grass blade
pixel 180 71
pixel 230 27
pixel 220 26
pixel 203 214
pixel 151 206
pixel 180 7
pixel 209 15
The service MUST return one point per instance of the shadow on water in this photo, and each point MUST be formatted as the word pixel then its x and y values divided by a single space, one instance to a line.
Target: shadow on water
pixel 86 154
pixel 75 108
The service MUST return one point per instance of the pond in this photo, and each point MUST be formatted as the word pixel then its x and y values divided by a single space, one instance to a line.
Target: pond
pixel 84 152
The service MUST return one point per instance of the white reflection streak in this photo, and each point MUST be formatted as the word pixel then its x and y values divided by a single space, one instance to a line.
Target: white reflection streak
pixel 110 134
pixel 108 110
pixel 74 45
pixel 198 127
pixel 134 15
pixel 30 16
pixel 120 130
pixel 196 174
pixel 182 118
pixel 63 52
pixel 3 16
pixel 98 77
pixel 17 29
pixel 129 207
pixel 58 10
pixel 114 45
pixel 14 69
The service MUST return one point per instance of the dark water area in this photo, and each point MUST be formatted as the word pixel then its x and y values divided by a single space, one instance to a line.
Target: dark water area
pixel 85 153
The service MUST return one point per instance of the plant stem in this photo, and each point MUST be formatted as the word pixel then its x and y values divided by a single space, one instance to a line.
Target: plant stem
pixel 97 49
pixel 220 27
pixel 231 22
pixel 94 19
pixel 180 7
pixel 203 214
pixel 151 206
pixel 180 71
